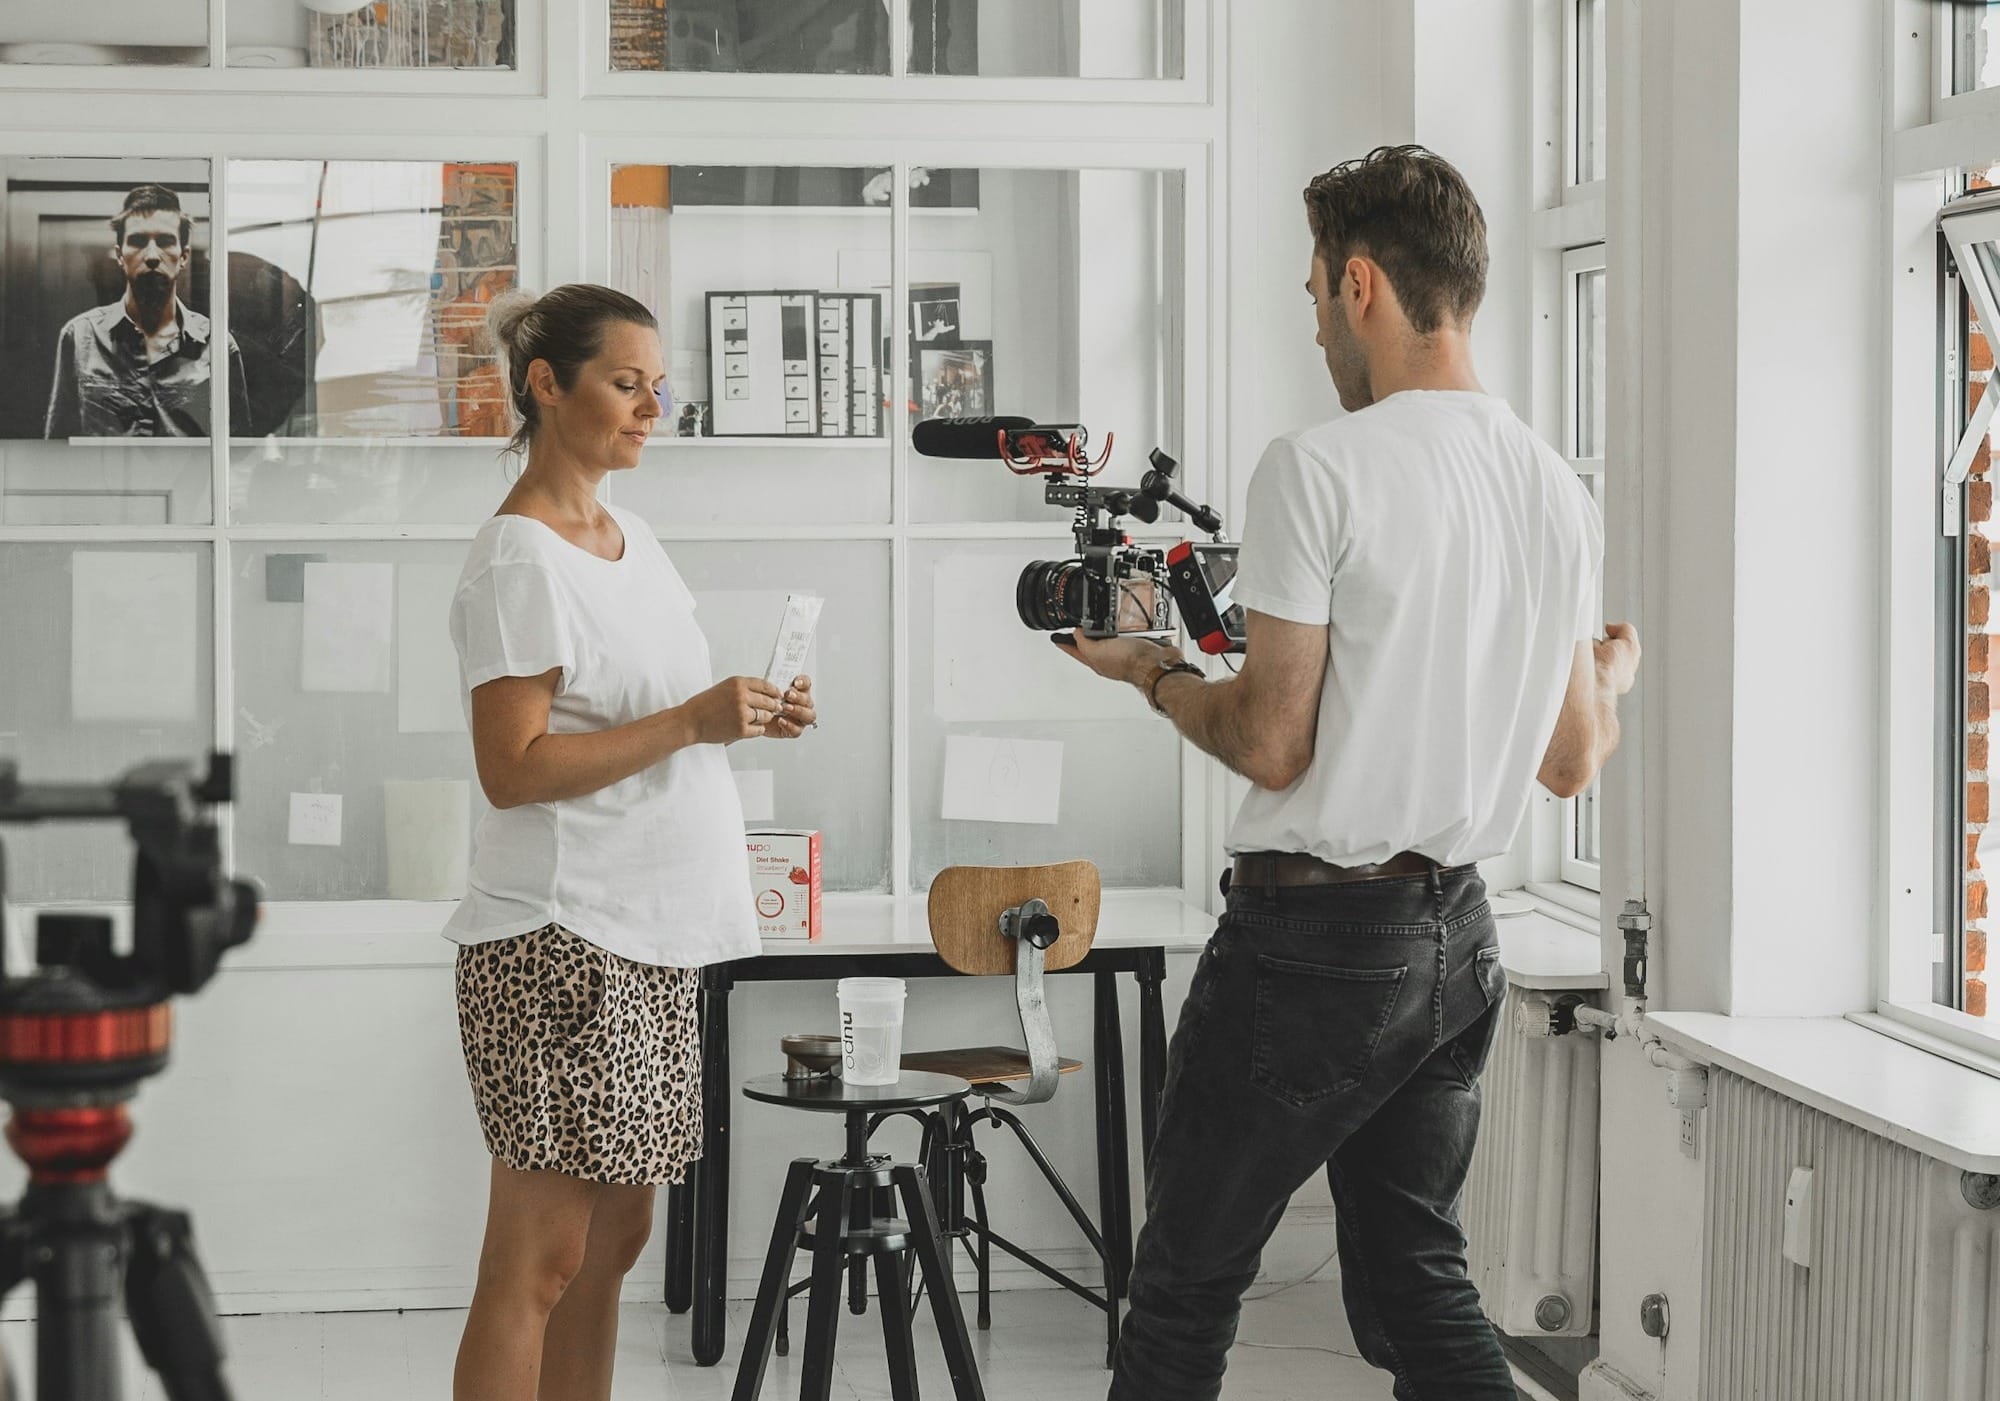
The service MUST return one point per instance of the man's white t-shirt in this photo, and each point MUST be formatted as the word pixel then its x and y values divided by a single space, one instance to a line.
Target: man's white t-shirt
pixel 652 867
pixel 1454 559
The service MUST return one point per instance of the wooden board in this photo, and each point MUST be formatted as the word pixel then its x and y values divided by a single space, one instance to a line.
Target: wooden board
pixel 966 903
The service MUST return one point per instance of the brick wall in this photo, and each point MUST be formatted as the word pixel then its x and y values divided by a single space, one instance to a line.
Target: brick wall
pixel 1979 654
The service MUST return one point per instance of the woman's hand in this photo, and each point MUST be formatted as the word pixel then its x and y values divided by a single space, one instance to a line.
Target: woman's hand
pixel 798 715
pixel 743 707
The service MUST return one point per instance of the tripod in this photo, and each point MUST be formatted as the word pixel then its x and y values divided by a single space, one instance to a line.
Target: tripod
pixel 77 1035
pixel 80 1244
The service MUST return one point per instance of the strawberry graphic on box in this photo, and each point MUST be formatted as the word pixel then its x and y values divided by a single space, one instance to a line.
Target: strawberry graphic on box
pixel 785 876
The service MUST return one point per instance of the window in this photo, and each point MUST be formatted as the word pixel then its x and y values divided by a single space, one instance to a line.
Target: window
pixel 1561 844
pixel 1583 445
pixel 1974 55
pixel 1587 91
pixel 1966 532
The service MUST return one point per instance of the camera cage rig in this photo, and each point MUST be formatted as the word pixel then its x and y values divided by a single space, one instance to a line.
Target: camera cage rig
pixel 1060 452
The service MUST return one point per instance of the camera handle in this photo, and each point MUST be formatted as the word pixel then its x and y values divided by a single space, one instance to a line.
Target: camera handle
pixel 1159 485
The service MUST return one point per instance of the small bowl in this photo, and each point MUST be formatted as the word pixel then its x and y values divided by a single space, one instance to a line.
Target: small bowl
pixel 810 1055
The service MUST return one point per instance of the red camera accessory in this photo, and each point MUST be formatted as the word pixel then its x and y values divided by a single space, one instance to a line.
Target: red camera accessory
pixel 1196 575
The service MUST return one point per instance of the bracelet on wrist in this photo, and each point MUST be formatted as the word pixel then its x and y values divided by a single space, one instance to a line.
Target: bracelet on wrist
pixel 1168 669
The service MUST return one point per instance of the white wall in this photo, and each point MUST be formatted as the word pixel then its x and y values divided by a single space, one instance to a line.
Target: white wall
pixel 1748 248
pixel 316 1119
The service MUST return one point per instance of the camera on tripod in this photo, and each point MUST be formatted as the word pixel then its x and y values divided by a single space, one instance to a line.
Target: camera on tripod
pixel 78 1032
pixel 1111 587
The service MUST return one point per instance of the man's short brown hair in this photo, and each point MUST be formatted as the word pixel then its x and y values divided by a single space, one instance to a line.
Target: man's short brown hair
pixel 1412 212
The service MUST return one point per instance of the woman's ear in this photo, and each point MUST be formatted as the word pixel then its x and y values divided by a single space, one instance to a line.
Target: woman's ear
pixel 542 382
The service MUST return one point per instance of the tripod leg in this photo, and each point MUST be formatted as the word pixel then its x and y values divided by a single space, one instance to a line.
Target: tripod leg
pixel 76 1254
pixel 171 1308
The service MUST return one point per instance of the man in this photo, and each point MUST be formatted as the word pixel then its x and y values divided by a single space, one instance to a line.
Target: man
pixel 139 367
pixel 1419 581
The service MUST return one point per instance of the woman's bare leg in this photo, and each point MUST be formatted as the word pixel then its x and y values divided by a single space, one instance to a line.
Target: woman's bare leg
pixel 537 1229
pixel 582 1336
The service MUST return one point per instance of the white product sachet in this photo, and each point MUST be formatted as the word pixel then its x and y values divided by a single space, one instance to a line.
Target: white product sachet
pixel 795 634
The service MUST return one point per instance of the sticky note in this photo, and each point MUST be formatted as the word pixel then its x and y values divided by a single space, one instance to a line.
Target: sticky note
pixel 315 819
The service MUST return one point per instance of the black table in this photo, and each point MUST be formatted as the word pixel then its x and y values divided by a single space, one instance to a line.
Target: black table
pixel 698 1210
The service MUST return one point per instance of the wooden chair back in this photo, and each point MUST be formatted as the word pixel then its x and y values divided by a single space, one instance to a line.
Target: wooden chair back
pixel 966 903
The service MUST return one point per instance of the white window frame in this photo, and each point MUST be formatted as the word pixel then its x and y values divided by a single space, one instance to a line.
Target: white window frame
pixel 1931 142
pixel 526 78
pixel 1187 27
pixel 1568 231
pixel 1575 263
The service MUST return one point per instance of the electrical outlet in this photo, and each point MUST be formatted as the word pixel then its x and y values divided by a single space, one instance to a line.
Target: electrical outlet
pixel 1690 1134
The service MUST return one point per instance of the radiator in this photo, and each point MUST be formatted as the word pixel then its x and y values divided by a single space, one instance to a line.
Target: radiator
pixel 1530 1203
pixel 1900 1297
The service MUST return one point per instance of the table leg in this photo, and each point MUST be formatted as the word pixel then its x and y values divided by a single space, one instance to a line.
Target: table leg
pixel 679 1292
pixel 711 1207
pixel 1114 1166
pixel 1152 1048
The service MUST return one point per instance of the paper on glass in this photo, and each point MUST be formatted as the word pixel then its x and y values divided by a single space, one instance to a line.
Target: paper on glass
pixel 428 825
pixel 133 636
pixel 1002 780
pixel 315 819
pixel 349 616
pixel 428 700
pixel 758 792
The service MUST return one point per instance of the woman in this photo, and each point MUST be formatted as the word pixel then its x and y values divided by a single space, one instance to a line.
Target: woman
pixel 612 865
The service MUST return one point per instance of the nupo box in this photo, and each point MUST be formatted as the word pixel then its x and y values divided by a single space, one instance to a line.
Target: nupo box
pixel 784 879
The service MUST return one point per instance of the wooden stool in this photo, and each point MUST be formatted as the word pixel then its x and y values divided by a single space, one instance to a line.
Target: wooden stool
pixel 842 1211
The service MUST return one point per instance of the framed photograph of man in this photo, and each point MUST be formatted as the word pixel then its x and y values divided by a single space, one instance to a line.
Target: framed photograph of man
pixel 104 296
pixel 955 381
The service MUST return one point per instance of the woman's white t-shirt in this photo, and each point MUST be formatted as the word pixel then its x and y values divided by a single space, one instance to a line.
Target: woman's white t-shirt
pixel 651 868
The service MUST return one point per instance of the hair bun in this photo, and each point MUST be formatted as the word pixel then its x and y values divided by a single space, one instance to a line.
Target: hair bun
pixel 506 312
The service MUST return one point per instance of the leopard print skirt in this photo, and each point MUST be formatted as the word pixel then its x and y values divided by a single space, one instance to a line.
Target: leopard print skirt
pixel 581 1062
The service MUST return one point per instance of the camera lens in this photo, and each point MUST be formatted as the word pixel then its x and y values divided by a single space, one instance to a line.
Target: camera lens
pixel 1052 595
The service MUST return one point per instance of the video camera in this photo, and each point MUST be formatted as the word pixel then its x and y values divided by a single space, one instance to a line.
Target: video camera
pixel 1112 587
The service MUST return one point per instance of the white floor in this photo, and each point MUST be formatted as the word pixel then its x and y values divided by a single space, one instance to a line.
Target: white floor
pixel 1044 1345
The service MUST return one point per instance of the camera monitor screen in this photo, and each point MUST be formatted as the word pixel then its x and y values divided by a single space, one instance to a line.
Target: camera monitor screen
pixel 1203 576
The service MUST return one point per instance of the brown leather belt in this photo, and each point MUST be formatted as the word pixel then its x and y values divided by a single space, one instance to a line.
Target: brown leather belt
pixel 1286 868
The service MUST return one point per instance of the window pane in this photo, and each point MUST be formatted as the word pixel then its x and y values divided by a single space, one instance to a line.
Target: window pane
pixel 1590 387
pixel 377 34
pixel 396 759
pixel 1590 91
pixel 771 284
pixel 1041 760
pixel 1046 38
pixel 1050 294
pixel 161 32
pixel 1975 57
pixel 359 293
pixel 105 341
pixel 749 36
pixel 1976 582
pixel 110 665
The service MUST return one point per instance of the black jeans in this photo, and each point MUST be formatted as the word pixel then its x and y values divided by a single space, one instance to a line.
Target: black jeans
pixel 1342 1027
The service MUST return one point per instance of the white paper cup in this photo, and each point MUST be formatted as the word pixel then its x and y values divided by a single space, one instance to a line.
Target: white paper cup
pixel 871 1030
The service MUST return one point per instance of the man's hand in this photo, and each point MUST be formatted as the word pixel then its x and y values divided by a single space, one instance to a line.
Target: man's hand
pixel 1617 657
pixel 1132 660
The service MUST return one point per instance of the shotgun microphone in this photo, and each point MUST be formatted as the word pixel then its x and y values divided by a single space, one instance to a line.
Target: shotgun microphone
pixel 974 438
